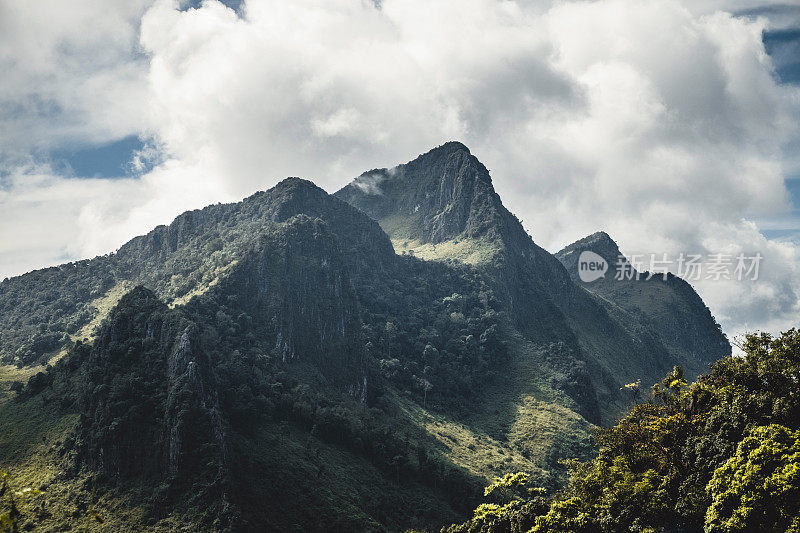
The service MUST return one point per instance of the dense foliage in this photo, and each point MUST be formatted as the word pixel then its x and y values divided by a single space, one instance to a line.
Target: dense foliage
pixel 719 455
pixel 171 400
pixel 434 331
pixel 42 310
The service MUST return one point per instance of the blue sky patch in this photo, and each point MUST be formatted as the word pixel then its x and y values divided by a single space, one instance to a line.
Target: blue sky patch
pixel 784 48
pixel 102 161
pixel 233 4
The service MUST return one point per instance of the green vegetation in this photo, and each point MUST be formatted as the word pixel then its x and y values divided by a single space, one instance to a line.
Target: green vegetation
pixel 719 455
pixel 468 251
pixel 43 312
pixel 435 332
pixel 172 407
pixel 40 310
pixel 9 519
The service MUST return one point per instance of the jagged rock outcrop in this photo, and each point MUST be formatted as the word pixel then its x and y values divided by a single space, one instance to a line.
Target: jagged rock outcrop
pixel 442 194
pixel 599 243
pixel 193 413
pixel 447 194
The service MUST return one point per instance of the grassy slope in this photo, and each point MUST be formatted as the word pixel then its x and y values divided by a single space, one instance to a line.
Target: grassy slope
pixel 521 424
pixel 343 491
pixel 100 308
pixel 529 416
pixel 659 302
pixel 210 279
pixel 469 251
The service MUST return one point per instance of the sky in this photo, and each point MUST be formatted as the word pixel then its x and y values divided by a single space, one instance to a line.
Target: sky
pixel 673 125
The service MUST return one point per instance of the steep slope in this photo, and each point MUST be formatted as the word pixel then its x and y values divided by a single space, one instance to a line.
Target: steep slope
pixel 149 419
pixel 436 197
pixel 446 196
pixel 294 290
pixel 246 402
pixel 668 306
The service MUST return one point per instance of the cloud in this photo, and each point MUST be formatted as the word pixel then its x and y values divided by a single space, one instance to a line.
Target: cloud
pixel 72 73
pixel 48 219
pixel 658 121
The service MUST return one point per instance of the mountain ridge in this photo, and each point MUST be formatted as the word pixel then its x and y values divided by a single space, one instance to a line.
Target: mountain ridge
pixel 326 352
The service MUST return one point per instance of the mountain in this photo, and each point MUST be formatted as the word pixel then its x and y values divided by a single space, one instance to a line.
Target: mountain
pixel 443 206
pixel 363 361
pixel 669 306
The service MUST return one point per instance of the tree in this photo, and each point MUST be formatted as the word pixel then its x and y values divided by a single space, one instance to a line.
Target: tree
pixel 514 508
pixel 426 387
pixel 758 489
pixel 391 331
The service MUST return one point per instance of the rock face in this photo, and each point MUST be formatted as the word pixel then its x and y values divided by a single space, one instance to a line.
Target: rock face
pixel 148 390
pixel 599 243
pixel 193 418
pixel 295 285
pixel 440 195
pixel 230 229
pixel 447 194
pixel 149 402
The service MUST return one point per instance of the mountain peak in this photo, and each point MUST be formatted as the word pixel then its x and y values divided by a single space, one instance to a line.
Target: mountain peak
pixel 443 193
pixel 288 187
pixel 449 154
pixel 293 182
pixel 451 147
pixel 599 242
pixel 672 307
pixel 599 238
